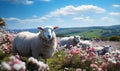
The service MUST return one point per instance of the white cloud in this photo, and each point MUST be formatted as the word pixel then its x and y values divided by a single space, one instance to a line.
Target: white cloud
pixel 116 5
pixel 26 2
pixel 59 20
pixel 34 16
pixel 86 19
pixel 24 21
pixel 107 19
pixel 71 10
pixel 64 12
pixel 45 0
pixel 12 19
pixel 114 13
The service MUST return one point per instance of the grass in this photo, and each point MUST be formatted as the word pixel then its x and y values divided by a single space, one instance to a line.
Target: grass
pixel 89 34
pixel 56 61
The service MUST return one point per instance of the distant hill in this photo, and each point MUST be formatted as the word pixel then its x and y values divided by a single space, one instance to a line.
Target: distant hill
pixel 88 32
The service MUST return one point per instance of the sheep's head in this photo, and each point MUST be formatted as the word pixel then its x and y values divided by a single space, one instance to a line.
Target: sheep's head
pixel 48 31
pixel 106 48
pixel 77 39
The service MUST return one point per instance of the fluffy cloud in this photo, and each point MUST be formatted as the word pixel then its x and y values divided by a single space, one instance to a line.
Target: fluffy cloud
pixel 26 2
pixel 64 12
pixel 116 5
pixel 108 19
pixel 114 13
pixel 24 21
pixel 86 19
pixel 35 16
pixel 45 0
pixel 72 10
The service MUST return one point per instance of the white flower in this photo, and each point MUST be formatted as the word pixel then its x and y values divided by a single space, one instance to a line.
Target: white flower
pixel 31 59
pixel 114 62
pixel 17 67
pixel 5 66
pixel 117 51
pixel 107 53
pixel 23 65
pixel 113 52
pixel 12 58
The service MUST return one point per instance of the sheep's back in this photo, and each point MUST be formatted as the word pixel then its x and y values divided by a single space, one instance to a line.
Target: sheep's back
pixel 66 41
pixel 22 43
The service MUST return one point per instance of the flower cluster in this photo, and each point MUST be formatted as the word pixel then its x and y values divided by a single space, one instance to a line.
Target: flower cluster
pixel 14 64
pixel 87 60
pixel 40 65
pixel 6 43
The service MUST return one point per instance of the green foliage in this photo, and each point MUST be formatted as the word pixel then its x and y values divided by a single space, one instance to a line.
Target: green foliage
pixel 60 35
pixel 56 61
pixel 4 57
pixel 114 38
pixel 2 24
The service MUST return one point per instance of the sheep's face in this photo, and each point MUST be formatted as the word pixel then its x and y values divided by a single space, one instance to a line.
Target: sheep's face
pixel 48 32
pixel 77 39
pixel 106 49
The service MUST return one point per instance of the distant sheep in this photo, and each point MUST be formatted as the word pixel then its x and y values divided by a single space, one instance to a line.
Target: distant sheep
pixel 40 44
pixel 101 50
pixel 72 40
pixel 85 44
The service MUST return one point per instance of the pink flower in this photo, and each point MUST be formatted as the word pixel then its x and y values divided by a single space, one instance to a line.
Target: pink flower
pixel 104 65
pixel 79 69
pixel 92 54
pixel 75 51
pixel 4 46
pixel 100 69
pixel 91 49
pixel 94 66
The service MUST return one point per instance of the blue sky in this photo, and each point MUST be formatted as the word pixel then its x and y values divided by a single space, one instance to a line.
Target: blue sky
pixel 23 14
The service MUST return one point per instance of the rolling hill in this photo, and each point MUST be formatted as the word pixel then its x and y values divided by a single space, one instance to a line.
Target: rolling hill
pixel 88 32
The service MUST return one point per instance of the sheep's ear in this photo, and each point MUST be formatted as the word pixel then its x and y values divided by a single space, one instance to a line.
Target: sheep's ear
pixel 40 28
pixel 54 28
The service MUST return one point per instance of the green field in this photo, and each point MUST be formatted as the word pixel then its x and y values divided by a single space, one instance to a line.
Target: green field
pixel 90 32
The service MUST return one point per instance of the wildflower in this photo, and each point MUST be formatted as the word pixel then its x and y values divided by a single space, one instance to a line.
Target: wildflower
pixel 66 69
pixel 5 66
pixel 17 67
pixel 4 46
pixel 91 49
pixel 94 66
pixel 75 51
pixel 14 64
pixel 104 65
pixel 41 65
pixel 112 60
pixel 78 69
pixel 100 69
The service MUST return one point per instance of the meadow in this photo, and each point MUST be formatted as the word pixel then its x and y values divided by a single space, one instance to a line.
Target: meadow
pixel 74 59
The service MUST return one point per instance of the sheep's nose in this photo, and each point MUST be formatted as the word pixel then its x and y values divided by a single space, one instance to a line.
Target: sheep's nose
pixel 49 36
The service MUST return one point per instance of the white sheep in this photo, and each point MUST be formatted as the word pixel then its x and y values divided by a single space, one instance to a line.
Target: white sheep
pixel 72 40
pixel 101 50
pixel 85 44
pixel 42 44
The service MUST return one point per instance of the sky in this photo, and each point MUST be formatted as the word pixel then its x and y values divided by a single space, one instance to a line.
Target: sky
pixel 25 14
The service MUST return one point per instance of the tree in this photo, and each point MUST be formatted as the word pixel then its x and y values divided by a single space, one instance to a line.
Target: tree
pixel 2 24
